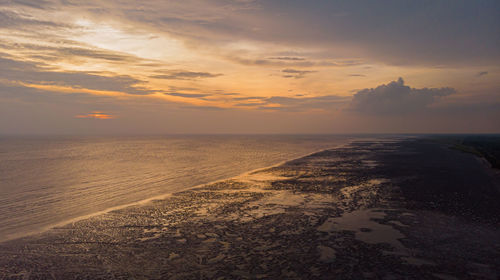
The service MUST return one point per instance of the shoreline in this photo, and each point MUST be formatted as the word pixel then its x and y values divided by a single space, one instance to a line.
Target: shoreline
pixel 166 195
pixel 340 211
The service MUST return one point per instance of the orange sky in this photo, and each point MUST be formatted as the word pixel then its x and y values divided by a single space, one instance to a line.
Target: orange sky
pixel 269 66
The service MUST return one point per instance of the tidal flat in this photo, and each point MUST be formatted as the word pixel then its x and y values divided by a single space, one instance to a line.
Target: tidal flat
pixel 374 209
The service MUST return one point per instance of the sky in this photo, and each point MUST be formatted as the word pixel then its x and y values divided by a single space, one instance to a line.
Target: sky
pixel 249 66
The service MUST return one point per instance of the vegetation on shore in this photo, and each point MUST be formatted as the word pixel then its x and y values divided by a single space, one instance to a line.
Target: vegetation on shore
pixel 485 146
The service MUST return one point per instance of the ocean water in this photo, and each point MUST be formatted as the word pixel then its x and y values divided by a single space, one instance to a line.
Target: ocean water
pixel 46 181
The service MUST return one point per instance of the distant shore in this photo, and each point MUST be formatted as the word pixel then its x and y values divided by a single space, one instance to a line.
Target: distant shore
pixel 370 209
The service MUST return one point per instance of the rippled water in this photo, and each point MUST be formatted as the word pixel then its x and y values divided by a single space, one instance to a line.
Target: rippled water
pixel 49 180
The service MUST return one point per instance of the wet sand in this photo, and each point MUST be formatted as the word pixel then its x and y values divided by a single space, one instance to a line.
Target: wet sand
pixel 367 210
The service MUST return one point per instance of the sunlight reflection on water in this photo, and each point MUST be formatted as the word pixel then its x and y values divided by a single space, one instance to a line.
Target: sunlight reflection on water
pixel 48 180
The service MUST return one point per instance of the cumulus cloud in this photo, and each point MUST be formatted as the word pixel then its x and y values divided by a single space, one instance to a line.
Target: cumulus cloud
pixel 396 98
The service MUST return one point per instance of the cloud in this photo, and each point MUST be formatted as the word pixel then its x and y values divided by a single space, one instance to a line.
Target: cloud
pixel 248 104
pixel 187 95
pixel 326 102
pixel 289 61
pixel 249 98
pixel 37 4
pixel 96 115
pixel 371 31
pixel 399 32
pixel 222 92
pixel 49 53
pixel 296 74
pixel 176 88
pixel 253 61
pixel 357 75
pixel 393 32
pixel 203 108
pixel 185 75
pixel 97 54
pixel 288 58
pixel 293 104
pixel 10 19
pixel 30 73
pixel 396 98
pixel 105 41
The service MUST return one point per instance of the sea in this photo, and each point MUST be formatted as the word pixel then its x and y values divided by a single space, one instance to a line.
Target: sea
pixel 50 180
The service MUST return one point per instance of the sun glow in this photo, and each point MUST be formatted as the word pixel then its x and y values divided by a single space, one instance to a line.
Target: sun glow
pixel 96 115
pixel 135 42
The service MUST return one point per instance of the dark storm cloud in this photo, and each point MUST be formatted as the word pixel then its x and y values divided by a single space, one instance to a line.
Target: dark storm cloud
pixel 396 98
pixel 185 75
pixel 30 73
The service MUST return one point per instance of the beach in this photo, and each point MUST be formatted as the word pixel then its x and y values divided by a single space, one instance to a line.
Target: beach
pixel 51 181
pixel 373 209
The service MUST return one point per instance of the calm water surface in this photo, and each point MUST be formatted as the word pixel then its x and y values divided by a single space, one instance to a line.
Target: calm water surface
pixel 48 180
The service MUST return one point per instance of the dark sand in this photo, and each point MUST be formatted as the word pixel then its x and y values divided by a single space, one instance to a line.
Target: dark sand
pixel 411 209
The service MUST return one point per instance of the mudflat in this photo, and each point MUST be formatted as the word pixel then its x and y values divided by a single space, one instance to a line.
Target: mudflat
pixel 376 209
